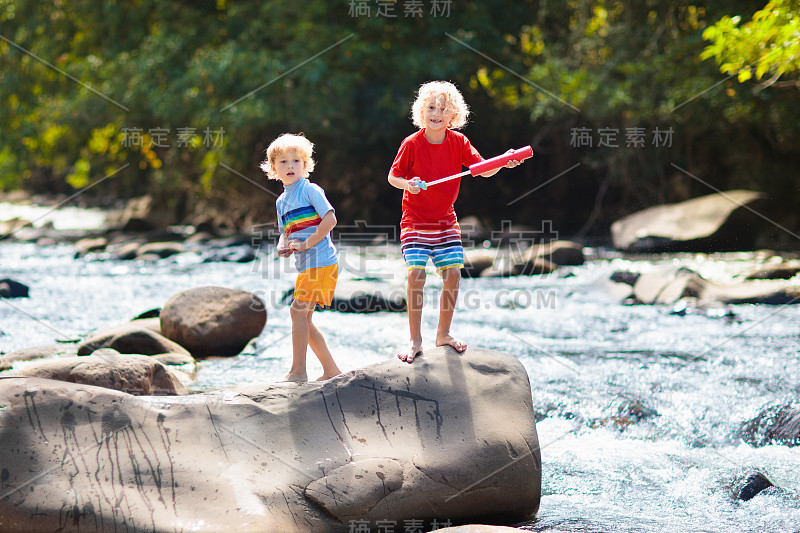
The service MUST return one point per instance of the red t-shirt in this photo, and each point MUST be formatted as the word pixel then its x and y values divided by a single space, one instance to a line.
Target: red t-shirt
pixel 433 208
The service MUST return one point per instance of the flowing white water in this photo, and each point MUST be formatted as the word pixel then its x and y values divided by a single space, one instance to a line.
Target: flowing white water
pixel 639 409
pixel 62 218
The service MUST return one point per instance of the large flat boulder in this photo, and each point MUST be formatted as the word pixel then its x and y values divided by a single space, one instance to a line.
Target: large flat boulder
pixel 712 223
pixel 450 437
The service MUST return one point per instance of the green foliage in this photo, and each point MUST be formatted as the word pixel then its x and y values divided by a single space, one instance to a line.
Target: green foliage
pixel 9 171
pixel 97 86
pixel 767 44
pixel 180 99
pixel 625 67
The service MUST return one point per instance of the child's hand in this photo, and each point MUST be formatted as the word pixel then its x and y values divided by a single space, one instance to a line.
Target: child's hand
pixel 414 185
pixel 284 251
pixel 296 245
pixel 513 162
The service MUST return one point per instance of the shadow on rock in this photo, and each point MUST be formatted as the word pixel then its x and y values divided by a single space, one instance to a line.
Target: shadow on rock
pixel 449 438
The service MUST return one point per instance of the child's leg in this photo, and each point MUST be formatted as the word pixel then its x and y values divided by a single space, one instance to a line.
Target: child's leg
pixel 312 285
pixel 301 317
pixel 447 307
pixel 320 348
pixel 416 282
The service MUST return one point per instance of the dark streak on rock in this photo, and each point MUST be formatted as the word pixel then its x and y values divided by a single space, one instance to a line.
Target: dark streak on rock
pixel 30 394
pixel 341 410
pixel 436 416
pixel 378 414
pixel 327 412
pixel 164 434
pixel 214 425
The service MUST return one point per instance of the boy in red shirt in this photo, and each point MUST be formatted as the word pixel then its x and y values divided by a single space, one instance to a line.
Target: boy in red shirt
pixel 429 227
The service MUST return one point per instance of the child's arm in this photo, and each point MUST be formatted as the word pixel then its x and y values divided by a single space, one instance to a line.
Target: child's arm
pixel 325 226
pixel 404 184
pixel 283 246
pixel 511 164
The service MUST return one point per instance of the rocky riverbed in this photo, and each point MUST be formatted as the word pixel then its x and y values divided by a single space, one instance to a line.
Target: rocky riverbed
pixel 650 416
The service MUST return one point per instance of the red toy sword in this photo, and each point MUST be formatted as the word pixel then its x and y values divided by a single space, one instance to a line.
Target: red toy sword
pixel 487 165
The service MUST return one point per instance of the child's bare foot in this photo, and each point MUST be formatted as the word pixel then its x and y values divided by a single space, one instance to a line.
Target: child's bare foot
pixel 409 356
pixel 449 340
pixel 328 375
pixel 295 377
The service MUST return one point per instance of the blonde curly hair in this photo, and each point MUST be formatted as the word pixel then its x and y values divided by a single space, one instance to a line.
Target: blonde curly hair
pixel 288 142
pixel 454 102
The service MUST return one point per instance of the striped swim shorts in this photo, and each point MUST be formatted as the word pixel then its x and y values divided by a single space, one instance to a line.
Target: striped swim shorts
pixel 442 246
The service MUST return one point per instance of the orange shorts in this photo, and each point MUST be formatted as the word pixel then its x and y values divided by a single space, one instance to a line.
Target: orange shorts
pixel 316 284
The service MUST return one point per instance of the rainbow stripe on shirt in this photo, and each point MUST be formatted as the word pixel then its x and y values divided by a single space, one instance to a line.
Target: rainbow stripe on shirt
pixel 299 219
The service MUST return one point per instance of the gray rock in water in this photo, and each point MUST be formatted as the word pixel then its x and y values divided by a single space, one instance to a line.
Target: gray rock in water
pixel 130 373
pixel 242 253
pixel 363 296
pixel 561 253
pixel 153 324
pixel 669 285
pixel 368 297
pixel 139 215
pixel 529 268
pixel 473 231
pixel 89 245
pixel 160 249
pixel 12 289
pixel 476 261
pixel 40 352
pixel 626 277
pixel 450 437
pixel 534 266
pixel 777 271
pixel 126 251
pixel 711 223
pixel 135 338
pixel 779 424
pixel 178 361
pixel 666 285
pixel 210 321
pixel 692 306
pixel 755 483
pixel 150 313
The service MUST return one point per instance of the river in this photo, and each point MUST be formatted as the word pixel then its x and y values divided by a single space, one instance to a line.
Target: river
pixel 638 408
